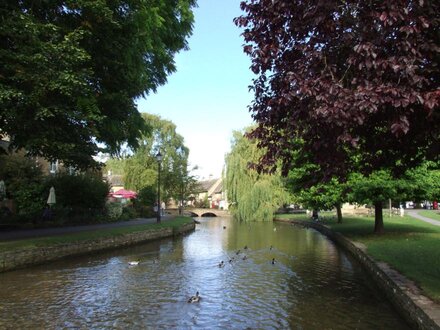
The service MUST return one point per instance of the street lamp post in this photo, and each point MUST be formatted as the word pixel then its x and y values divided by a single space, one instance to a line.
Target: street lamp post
pixel 159 160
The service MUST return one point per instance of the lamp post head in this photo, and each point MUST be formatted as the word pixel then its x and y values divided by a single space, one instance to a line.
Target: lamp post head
pixel 159 156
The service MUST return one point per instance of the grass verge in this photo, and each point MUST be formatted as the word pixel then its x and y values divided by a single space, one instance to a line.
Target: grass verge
pixel 89 235
pixel 432 214
pixel 409 245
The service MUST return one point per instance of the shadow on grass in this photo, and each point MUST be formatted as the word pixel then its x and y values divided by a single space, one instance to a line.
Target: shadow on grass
pixel 395 226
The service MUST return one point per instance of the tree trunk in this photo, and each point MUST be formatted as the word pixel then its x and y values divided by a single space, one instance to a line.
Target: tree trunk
pixel 339 213
pixel 378 218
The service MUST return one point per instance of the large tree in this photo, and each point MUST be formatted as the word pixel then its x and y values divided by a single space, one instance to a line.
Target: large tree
pixel 347 77
pixel 252 196
pixel 71 71
pixel 140 170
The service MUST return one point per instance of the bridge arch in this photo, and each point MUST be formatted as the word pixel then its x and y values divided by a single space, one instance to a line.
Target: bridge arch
pixel 208 214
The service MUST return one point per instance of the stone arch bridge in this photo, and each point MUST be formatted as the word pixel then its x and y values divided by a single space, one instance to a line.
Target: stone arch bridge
pixel 194 212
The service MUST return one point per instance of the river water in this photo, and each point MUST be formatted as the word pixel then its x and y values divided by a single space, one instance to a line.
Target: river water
pixel 312 285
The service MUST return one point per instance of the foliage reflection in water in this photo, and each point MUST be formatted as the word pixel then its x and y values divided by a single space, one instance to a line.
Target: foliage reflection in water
pixel 311 285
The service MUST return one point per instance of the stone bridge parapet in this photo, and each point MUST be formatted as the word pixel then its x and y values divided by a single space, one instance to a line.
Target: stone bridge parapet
pixel 196 212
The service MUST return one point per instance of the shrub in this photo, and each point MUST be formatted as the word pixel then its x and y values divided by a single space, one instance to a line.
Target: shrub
pixel 84 191
pixel 113 210
pixel 128 213
pixel 204 203
pixel 147 196
pixel 30 201
pixel 80 198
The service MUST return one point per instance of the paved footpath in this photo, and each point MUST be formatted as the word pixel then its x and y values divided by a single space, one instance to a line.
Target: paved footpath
pixel 43 232
pixel 415 214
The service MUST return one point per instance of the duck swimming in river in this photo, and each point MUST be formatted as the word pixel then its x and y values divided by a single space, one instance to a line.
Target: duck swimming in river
pixel 194 299
pixel 221 264
pixel 133 263
pixel 273 261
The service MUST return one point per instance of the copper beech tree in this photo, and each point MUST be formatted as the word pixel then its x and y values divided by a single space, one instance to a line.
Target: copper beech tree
pixel 346 78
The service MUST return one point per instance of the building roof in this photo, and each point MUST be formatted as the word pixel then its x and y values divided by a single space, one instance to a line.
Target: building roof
pixel 219 188
pixel 115 180
pixel 204 186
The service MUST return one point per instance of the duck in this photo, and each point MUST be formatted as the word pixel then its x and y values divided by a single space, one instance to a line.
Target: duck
pixel 245 247
pixel 133 263
pixel 221 264
pixel 224 227
pixel 238 252
pixel 273 261
pixel 194 299
pixel 244 257
pixel 231 260
pixel 271 247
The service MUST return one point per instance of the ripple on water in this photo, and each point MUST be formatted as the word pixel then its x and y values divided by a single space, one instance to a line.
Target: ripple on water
pixel 312 285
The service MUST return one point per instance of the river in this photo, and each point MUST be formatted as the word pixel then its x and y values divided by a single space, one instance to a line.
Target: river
pixel 312 285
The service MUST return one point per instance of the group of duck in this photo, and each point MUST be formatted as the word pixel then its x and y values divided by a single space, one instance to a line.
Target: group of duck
pixel 244 257
pixel 196 298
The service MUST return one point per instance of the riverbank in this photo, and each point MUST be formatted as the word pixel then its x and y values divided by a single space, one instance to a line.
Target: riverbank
pixel 21 253
pixel 409 247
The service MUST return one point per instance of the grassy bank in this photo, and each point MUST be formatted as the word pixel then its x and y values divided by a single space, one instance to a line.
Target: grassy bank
pixel 409 245
pixel 89 235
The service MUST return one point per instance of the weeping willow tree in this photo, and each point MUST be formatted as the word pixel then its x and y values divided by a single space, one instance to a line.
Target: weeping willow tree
pixel 252 196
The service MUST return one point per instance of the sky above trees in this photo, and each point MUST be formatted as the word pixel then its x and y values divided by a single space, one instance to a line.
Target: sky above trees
pixel 207 97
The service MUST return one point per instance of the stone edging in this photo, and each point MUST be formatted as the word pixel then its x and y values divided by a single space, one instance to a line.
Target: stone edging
pixel 26 257
pixel 418 310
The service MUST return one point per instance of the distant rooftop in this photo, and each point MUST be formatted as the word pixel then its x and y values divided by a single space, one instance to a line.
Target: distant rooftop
pixel 206 185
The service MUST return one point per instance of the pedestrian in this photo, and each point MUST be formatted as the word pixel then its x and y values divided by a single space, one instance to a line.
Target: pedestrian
pixel 162 208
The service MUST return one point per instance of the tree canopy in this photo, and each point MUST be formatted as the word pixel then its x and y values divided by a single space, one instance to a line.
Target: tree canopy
pixel 140 170
pixel 346 77
pixel 72 70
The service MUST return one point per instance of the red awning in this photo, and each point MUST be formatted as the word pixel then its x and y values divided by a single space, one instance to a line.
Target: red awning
pixel 122 193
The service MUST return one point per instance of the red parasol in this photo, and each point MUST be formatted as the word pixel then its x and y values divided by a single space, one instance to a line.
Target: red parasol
pixel 122 193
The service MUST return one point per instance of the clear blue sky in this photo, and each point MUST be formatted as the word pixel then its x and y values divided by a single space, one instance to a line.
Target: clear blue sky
pixel 207 98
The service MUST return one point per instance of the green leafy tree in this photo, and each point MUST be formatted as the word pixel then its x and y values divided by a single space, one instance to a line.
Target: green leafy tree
pixel 423 182
pixel 323 196
pixel 140 170
pixel 71 71
pixel 375 189
pixel 307 183
pixel 252 196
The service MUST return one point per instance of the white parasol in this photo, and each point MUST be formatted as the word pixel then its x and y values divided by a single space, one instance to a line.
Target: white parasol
pixel 52 198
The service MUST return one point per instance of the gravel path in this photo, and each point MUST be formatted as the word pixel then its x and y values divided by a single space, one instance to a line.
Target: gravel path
pixel 414 214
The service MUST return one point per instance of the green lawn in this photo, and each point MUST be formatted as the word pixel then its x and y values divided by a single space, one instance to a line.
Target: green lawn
pixel 409 245
pixel 432 214
pixel 91 235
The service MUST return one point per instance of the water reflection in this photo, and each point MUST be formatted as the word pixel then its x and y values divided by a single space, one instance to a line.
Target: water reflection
pixel 312 285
